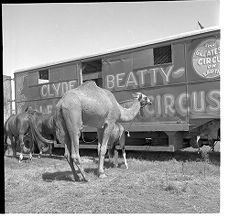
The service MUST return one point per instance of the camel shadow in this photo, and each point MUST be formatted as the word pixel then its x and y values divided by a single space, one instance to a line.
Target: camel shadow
pixel 59 176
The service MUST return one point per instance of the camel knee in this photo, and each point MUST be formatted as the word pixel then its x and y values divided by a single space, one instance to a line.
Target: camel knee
pixel 76 158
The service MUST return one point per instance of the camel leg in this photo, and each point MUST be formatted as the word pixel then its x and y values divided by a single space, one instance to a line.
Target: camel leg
pixel 70 161
pixel 124 157
pixel 73 122
pixel 122 145
pixel 110 153
pixel 55 143
pixel 13 145
pixel 21 143
pixel 31 150
pixel 76 156
pixel 211 143
pixel 40 153
pixel 99 146
pixel 199 149
pixel 103 150
pixel 100 135
pixel 116 157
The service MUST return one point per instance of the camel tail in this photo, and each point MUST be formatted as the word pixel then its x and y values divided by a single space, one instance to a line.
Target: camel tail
pixel 59 124
pixel 37 137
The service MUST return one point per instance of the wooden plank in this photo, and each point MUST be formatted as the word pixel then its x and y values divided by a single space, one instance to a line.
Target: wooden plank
pixel 169 148
pixel 135 148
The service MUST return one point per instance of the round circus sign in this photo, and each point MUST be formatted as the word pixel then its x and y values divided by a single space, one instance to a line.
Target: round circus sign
pixel 206 58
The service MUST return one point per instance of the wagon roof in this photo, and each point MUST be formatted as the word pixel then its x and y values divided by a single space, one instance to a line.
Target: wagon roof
pixel 138 45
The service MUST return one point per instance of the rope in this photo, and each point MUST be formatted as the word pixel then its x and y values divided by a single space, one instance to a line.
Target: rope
pixel 82 136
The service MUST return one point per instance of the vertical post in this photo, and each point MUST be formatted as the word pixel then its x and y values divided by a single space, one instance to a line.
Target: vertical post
pixel 15 88
pixel 10 84
pixel 80 73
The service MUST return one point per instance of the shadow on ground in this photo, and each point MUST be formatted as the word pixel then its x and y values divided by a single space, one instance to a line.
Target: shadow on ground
pixel 63 176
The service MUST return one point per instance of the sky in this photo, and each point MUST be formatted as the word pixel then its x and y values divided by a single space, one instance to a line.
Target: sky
pixel 37 34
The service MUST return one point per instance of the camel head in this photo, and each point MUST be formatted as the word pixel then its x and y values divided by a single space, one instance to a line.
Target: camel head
pixel 143 99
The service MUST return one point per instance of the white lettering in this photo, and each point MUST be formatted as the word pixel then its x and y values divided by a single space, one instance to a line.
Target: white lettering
pixel 56 88
pixel 141 74
pixel 110 81
pixel 166 74
pixel 119 78
pixel 44 92
pixel 72 84
pixel 213 96
pixel 64 87
pixel 198 101
pixel 131 80
pixel 169 104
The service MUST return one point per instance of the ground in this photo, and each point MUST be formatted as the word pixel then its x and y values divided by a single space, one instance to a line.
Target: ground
pixel 183 182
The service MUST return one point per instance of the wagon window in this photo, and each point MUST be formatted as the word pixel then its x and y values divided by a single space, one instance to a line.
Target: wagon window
pixel 92 70
pixel 43 76
pixel 162 55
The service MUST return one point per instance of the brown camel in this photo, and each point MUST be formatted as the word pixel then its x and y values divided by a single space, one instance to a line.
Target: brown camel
pixel 92 106
pixel 117 137
pixel 16 126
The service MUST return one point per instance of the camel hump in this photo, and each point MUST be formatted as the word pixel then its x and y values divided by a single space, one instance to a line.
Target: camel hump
pixel 88 84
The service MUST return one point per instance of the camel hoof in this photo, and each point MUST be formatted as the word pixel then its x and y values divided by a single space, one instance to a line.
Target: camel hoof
pixel 102 176
pixel 85 180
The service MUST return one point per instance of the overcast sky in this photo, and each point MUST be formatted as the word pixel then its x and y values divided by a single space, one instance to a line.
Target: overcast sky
pixel 36 34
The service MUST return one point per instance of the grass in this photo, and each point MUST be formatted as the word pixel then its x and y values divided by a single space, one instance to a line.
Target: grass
pixel 154 183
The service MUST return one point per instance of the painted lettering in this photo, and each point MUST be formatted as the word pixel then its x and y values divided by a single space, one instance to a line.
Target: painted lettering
pixel 153 77
pixel 166 74
pixel 119 78
pixel 44 92
pixel 195 103
pixel 198 101
pixel 72 84
pixel 131 80
pixel 213 98
pixel 141 78
pixel 141 74
pixel 49 109
pixel 181 104
pixel 56 88
pixel 110 81
pixel 49 91
pixel 169 104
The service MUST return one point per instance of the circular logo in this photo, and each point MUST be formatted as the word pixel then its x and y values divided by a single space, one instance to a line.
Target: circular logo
pixel 206 58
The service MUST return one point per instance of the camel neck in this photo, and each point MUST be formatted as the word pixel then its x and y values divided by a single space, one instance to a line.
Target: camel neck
pixel 128 114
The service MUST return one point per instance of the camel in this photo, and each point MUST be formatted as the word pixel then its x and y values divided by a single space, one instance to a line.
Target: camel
pixel 117 137
pixel 90 105
pixel 16 127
